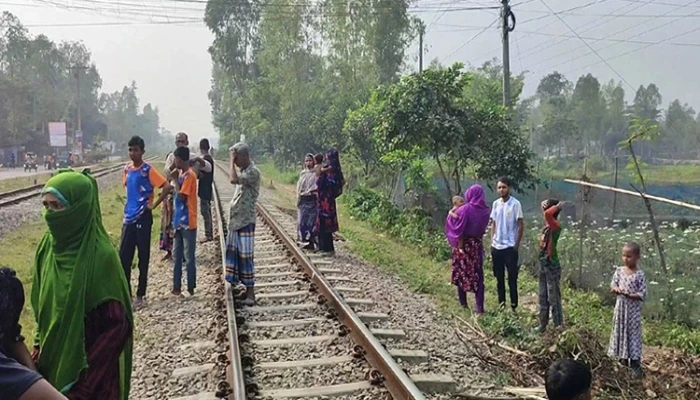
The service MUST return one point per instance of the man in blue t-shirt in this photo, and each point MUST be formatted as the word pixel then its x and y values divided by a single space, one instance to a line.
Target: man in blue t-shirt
pixel 140 180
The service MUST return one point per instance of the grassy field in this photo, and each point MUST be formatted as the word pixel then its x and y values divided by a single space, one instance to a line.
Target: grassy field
pixel 19 246
pixel 23 181
pixel 653 174
pixel 673 294
pixel 581 307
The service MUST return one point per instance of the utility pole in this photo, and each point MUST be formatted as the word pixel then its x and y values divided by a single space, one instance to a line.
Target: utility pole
pixel 507 16
pixel 420 51
pixel 78 138
pixel 421 32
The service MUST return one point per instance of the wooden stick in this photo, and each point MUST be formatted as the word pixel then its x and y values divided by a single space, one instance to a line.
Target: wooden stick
pixel 657 238
pixel 521 390
pixel 483 336
pixel 631 193
pixel 527 393
pixel 499 344
pixel 477 397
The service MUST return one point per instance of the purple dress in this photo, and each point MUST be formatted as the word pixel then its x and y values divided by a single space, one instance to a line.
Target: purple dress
pixel 468 262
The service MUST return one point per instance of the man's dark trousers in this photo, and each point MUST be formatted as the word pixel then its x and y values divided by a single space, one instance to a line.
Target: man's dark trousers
pixel 506 260
pixel 137 236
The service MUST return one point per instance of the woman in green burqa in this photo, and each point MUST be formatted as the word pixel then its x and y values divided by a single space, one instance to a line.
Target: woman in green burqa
pixel 80 297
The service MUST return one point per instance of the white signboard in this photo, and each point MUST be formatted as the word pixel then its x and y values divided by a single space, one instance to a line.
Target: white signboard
pixel 57 134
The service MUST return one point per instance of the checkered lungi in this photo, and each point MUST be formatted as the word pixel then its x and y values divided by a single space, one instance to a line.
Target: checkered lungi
pixel 239 256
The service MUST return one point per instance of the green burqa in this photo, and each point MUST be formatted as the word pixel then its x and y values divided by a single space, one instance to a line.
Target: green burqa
pixel 76 270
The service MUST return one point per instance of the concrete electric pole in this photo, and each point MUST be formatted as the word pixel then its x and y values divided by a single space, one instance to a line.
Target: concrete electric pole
pixel 507 17
pixel 421 33
pixel 78 138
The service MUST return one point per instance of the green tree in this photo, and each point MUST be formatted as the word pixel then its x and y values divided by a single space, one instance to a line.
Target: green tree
pixel 38 85
pixel 681 130
pixel 486 84
pixel 615 119
pixel 588 109
pixel 554 84
pixel 429 115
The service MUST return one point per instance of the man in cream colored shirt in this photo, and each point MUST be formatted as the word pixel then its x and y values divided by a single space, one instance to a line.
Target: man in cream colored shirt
pixel 506 233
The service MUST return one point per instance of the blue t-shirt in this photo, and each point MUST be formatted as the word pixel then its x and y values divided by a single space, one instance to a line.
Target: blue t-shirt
pixel 15 378
pixel 139 184
pixel 185 215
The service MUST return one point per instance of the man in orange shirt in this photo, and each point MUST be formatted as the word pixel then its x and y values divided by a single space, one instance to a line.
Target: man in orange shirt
pixel 184 221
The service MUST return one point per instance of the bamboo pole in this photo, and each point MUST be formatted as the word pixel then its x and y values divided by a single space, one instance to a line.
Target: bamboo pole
pixel 537 185
pixel 584 221
pixel 614 207
pixel 635 194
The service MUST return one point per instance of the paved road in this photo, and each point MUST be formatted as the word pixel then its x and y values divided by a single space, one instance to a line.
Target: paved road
pixel 6 173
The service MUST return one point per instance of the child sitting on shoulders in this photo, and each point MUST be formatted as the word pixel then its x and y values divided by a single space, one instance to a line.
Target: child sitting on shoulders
pixel 630 285
pixel 568 379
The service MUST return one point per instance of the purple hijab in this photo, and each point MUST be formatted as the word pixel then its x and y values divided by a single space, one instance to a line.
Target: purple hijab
pixel 473 217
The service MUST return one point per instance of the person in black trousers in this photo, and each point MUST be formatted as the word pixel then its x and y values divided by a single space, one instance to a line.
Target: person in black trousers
pixel 140 180
pixel 506 233
pixel 205 191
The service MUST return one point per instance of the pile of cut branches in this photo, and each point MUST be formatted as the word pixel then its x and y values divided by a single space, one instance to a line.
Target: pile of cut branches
pixel 667 374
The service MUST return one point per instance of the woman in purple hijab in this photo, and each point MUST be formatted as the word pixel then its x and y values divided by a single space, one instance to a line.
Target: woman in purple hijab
pixel 469 223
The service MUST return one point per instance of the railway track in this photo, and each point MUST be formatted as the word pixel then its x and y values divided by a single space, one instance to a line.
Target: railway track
pixel 312 333
pixel 17 196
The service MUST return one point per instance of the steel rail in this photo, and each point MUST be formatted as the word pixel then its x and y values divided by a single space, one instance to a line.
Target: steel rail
pixel 400 386
pixel 29 192
pixel 395 379
pixel 234 370
pixel 18 191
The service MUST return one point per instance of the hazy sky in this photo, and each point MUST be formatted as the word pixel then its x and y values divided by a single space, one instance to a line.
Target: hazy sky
pixel 172 67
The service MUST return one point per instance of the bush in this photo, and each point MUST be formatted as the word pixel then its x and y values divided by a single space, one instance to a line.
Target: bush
pixel 411 226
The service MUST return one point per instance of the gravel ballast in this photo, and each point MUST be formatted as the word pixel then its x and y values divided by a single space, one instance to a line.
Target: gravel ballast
pixel 425 327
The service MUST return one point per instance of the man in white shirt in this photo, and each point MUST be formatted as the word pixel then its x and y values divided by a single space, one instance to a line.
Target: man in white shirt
pixel 197 163
pixel 506 233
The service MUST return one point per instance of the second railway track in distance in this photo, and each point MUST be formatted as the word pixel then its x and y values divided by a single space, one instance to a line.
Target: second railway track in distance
pixel 312 333
pixel 17 196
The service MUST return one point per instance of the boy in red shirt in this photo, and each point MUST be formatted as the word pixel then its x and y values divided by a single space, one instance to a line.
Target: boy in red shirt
pixel 184 221
pixel 550 269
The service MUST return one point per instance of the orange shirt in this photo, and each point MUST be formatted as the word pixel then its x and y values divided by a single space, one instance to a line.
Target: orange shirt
pixel 185 215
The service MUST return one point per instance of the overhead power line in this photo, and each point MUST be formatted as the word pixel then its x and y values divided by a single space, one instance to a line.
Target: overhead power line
pixel 472 38
pixel 611 44
pixel 535 50
pixel 638 49
pixel 528 52
pixel 117 23
pixel 588 45
pixel 597 39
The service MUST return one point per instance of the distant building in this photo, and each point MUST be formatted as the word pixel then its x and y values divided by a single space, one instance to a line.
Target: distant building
pixel 109 147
